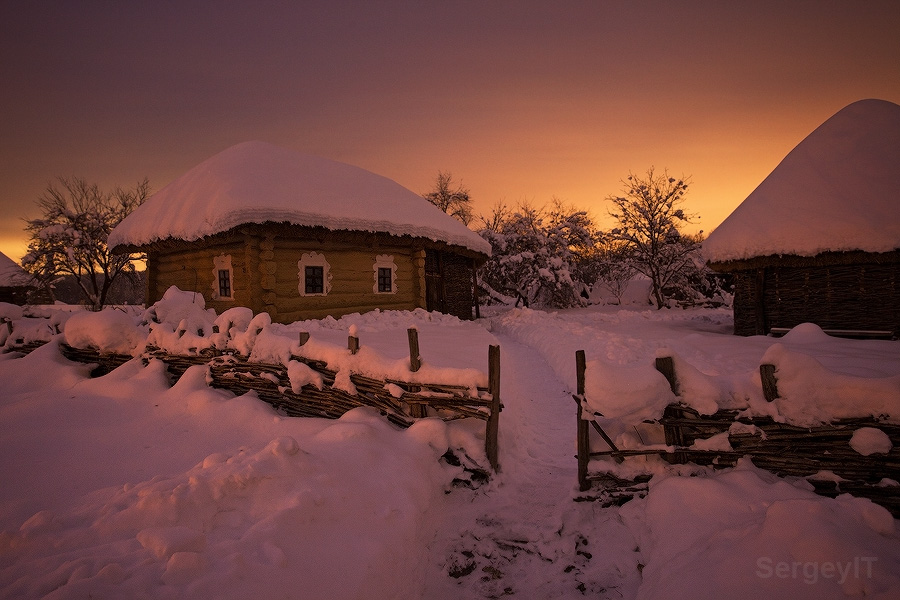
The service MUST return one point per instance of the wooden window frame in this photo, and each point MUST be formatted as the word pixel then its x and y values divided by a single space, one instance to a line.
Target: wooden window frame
pixel 313 259
pixel 222 267
pixel 384 262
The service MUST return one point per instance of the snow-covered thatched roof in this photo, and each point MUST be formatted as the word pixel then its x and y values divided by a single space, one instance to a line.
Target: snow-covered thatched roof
pixel 837 191
pixel 256 182
pixel 11 274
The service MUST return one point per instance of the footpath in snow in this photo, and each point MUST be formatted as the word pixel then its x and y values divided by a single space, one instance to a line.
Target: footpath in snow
pixel 523 534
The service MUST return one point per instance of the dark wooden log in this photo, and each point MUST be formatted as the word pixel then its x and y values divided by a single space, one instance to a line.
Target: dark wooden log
pixel 582 433
pixel 769 383
pixel 492 429
pixel 414 359
pixel 666 366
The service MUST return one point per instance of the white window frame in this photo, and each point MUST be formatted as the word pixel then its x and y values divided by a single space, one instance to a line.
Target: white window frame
pixel 222 263
pixel 385 261
pixel 313 259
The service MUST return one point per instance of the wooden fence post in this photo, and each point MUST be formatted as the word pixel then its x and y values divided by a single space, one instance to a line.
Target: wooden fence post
pixel 303 337
pixel 416 411
pixel 666 366
pixel 492 428
pixel 414 359
pixel 582 433
pixel 769 383
pixel 353 344
pixel 674 434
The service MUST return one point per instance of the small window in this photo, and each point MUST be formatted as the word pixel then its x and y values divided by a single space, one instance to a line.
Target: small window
pixel 223 278
pixel 314 274
pixel 385 273
pixel 224 283
pixel 314 278
pixel 385 280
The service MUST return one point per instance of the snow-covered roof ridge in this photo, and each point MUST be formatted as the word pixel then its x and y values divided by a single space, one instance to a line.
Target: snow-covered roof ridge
pixel 257 182
pixel 11 274
pixel 837 190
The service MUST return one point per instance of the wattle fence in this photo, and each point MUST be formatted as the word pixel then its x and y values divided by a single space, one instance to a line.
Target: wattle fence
pixel 781 448
pixel 401 402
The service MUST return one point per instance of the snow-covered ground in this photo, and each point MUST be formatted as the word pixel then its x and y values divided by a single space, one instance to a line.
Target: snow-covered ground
pixel 124 486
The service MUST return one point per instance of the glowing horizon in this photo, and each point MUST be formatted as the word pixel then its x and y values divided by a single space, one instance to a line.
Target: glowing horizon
pixel 519 100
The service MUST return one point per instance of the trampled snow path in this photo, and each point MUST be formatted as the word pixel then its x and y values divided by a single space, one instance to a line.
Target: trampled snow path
pixel 523 533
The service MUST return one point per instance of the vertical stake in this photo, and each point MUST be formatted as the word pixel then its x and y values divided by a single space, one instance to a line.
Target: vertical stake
pixel 492 428
pixel 415 361
pixel 304 337
pixel 582 433
pixel 353 344
pixel 769 383
pixel 666 366
pixel 417 411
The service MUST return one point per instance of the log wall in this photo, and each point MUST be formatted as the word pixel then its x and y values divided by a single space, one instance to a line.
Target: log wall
pixel 192 270
pixel 352 280
pixel 266 278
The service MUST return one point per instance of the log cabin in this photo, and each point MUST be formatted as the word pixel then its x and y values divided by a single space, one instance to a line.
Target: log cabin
pixel 301 237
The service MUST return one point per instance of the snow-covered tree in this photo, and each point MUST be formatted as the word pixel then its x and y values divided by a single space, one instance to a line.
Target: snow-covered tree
pixel 536 253
pixel 451 198
pixel 70 236
pixel 697 284
pixel 649 216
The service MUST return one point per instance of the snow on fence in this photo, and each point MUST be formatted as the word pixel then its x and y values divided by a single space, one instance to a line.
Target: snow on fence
pixel 324 392
pixel 828 450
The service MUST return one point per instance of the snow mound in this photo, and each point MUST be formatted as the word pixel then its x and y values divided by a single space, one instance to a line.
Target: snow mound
pixel 835 191
pixel 744 533
pixel 631 393
pixel 11 311
pixel 807 333
pixel 109 331
pixel 870 440
pixel 810 394
pixel 256 182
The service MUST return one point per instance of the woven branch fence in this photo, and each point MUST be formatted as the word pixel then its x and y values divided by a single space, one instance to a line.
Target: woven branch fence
pixel 783 449
pixel 402 404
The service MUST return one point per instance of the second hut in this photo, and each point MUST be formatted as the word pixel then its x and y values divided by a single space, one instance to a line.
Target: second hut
pixel 819 240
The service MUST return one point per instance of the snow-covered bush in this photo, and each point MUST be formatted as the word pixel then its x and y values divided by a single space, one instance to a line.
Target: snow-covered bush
pixel 541 257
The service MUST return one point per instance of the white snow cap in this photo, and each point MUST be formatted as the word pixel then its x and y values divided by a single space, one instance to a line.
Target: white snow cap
pixel 11 274
pixel 838 190
pixel 256 182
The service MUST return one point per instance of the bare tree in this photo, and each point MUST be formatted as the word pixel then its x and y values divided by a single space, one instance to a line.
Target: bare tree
pixel 499 215
pixel 70 236
pixel 450 198
pixel 614 265
pixel 649 217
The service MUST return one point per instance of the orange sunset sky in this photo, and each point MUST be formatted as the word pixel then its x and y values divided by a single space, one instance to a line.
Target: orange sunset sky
pixel 521 100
